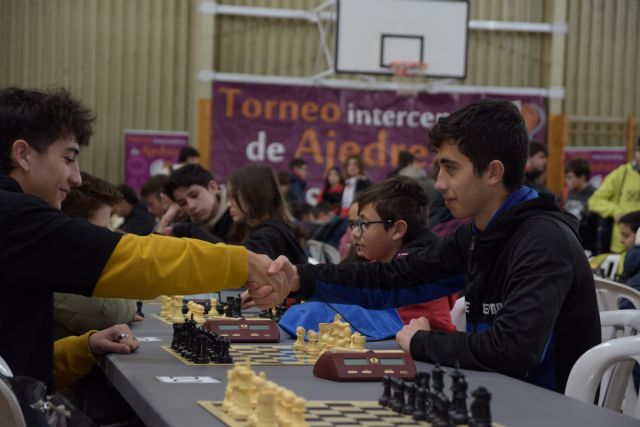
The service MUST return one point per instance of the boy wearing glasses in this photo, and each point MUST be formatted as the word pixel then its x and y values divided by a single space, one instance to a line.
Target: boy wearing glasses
pixel 528 284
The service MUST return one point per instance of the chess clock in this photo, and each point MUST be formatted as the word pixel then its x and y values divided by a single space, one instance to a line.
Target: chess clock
pixel 368 365
pixel 239 330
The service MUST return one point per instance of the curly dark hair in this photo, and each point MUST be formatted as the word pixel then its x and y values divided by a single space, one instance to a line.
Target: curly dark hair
pixel 40 118
pixel 94 192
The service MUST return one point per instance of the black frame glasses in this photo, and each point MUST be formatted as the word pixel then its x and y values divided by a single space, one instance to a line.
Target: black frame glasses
pixel 362 224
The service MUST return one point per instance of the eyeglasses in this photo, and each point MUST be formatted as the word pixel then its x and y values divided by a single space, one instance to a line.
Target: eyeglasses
pixel 362 224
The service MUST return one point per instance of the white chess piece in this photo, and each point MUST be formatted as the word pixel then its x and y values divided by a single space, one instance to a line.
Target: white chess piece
pixel 299 345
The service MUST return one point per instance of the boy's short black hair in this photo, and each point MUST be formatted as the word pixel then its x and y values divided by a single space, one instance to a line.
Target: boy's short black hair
pixel 632 219
pixel 296 162
pixel 40 118
pixel 536 147
pixel 487 130
pixel 94 192
pixel 579 167
pixel 187 152
pixel 153 186
pixel 128 193
pixel 186 176
pixel 398 198
pixel 405 158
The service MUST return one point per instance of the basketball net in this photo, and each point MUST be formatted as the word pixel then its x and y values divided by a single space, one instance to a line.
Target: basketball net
pixel 407 72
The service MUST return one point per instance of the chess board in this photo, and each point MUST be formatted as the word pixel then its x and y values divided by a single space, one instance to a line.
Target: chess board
pixel 256 355
pixel 248 315
pixel 320 413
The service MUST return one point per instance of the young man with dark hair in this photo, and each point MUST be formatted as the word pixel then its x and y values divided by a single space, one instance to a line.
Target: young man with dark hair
pixel 137 219
pixel 43 251
pixel 536 166
pixel 194 190
pixel 152 194
pixel 576 202
pixel 528 282
pixel 297 181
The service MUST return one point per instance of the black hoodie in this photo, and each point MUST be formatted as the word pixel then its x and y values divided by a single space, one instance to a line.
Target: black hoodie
pixel 531 305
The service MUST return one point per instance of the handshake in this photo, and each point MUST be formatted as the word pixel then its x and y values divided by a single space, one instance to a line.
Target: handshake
pixel 269 282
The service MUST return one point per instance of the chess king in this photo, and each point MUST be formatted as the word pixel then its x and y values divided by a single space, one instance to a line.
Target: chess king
pixel 527 280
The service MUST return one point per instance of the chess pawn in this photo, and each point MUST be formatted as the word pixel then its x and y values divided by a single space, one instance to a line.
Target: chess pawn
pixel 299 345
pixel 227 402
pixel 324 333
pixel 286 415
pixel 337 318
pixel 312 346
pixel 265 411
pixel 243 394
pixel 297 412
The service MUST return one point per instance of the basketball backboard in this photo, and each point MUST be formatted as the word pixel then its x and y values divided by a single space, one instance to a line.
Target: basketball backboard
pixel 373 34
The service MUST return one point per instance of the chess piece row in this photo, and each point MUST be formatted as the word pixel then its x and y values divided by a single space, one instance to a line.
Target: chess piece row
pixel 429 403
pixel 199 345
pixel 262 403
pixel 317 344
pixel 274 313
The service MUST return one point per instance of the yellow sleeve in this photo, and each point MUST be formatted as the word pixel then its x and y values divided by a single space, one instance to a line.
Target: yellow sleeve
pixel 148 266
pixel 72 359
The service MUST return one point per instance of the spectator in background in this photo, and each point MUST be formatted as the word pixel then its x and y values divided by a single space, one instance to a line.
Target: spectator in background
pixel 631 269
pixel 415 169
pixel 617 195
pixel 405 158
pixel 137 220
pixel 333 188
pixel 189 156
pixel 198 195
pixel 355 182
pixel 297 181
pixel 76 314
pixel 534 171
pixel 152 194
pixel 576 196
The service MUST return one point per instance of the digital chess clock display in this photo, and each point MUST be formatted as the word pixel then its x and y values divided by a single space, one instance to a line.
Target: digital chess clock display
pixel 391 362
pixel 236 327
pixel 356 362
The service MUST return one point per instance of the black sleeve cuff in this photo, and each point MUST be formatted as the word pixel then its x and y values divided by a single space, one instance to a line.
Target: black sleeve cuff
pixel 307 276
pixel 418 345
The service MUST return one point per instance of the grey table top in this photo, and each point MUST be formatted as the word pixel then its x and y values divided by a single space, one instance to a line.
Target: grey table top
pixel 514 403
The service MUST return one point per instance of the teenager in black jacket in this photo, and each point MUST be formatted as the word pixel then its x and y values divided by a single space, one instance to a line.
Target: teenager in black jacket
pixel 531 304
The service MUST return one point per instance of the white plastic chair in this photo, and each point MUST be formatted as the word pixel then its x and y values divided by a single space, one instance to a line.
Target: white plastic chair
pixel 323 252
pixel 458 315
pixel 10 412
pixel 610 293
pixel 609 266
pixel 587 373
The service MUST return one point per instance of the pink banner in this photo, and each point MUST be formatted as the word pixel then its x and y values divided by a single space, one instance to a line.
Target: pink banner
pixel 149 153
pixel 271 124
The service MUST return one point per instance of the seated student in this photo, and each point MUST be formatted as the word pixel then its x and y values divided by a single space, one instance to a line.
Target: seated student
pixel 612 265
pixel 194 190
pixel 43 251
pixel 629 226
pixel 527 280
pixel 297 182
pixel 77 314
pixel 575 201
pixel 391 223
pixel 259 217
pixel 137 220
pixel 152 194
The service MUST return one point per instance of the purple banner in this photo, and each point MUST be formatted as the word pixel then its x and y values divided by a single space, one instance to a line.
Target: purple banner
pixel 602 160
pixel 148 153
pixel 271 124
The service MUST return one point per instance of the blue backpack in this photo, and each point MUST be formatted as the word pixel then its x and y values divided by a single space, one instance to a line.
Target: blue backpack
pixel 374 324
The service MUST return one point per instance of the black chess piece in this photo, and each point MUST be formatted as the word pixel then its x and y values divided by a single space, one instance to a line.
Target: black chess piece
pixel 139 310
pixel 185 309
pixel 458 411
pixel 225 357
pixel 441 411
pixel 398 395
pixel 228 311
pixel 200 355
pixel 220 308
pixel 207 307
pixel 481 408
pixel 419 414
pixel 410 407
pixel 237 306
pixel 386 395
pixel 437 379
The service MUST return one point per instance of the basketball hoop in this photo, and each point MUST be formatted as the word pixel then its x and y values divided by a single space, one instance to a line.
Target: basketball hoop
pixel 407 72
